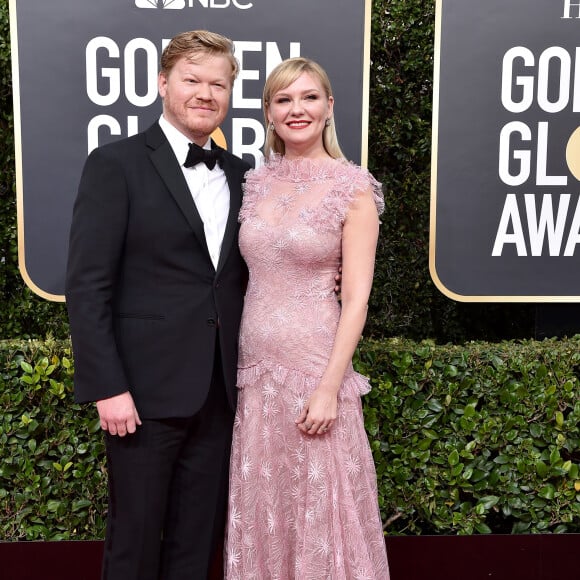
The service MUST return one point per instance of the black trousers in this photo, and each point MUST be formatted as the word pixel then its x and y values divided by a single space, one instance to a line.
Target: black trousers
pixel 168 485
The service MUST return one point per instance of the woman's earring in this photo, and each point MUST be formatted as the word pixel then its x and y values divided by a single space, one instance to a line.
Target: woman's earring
pixel 327 123
pixel 271 126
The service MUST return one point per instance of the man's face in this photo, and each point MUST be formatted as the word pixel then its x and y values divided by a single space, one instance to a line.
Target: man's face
pixel 196 95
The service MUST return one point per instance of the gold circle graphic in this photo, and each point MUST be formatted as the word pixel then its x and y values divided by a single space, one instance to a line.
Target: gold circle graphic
pixel 219 138
pixel 573 153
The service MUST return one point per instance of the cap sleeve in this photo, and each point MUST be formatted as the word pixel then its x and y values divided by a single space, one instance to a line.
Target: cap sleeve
pixel 367 181
pixel 351 182
pixel 253 190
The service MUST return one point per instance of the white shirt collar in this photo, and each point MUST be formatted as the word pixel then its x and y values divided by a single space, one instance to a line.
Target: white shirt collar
pixel 178 141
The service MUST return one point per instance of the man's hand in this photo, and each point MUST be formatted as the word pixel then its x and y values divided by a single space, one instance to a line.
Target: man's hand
pixel 338 282
pixel 118 414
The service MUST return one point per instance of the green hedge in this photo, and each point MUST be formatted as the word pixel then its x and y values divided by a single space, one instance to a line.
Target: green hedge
pixel 477 438
pixel 480 438
pixel 52 477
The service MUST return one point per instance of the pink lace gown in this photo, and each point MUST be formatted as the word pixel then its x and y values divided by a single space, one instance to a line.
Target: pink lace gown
pixel 301 507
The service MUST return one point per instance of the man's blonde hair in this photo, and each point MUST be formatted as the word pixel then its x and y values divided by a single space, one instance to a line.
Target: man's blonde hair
pixel 194 43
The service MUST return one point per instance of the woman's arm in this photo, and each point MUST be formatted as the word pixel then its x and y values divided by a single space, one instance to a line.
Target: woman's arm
pixel 359 242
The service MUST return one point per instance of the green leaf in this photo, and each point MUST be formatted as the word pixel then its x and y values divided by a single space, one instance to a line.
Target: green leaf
pixel 27 368
pixel 453 458
pixel 80 504
pixel 430 434
pixel 434 405
pixel 488 501
pixel 54 505
pixel 547 492
pixel 483 528
pixel 542 469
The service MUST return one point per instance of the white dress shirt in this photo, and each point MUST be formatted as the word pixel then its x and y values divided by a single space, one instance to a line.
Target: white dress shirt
pixel 209 189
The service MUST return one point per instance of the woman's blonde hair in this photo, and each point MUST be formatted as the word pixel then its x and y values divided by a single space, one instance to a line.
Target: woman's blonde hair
pixel 283 76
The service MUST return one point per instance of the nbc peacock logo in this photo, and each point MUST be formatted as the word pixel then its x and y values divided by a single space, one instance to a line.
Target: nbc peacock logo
pixel 162 4
pixel 180 4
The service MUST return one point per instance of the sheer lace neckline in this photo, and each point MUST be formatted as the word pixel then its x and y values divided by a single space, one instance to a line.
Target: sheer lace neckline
pixel 302 168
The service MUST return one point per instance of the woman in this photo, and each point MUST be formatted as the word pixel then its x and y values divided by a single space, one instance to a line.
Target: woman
pixel 303 494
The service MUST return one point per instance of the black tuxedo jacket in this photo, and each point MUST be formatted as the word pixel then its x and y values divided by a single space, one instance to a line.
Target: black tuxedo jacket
pixel 144 299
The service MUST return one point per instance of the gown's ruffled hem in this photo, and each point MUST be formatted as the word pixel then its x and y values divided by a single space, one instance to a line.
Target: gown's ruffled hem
pixel 353 385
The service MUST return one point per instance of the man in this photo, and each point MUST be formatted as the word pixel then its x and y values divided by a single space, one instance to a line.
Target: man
pixel 154 293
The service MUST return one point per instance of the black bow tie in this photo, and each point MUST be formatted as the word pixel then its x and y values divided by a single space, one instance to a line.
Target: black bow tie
pixel 197 154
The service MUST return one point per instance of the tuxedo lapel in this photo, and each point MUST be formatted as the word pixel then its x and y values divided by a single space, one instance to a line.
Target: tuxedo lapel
pixel 163 159
pixel 234 178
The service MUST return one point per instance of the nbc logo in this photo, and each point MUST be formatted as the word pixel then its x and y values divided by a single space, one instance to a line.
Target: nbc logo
pixel 168 4
pixel 180 4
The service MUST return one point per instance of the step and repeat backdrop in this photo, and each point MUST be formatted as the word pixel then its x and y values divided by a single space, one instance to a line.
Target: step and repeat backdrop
pixel 505 211
pixel 85 73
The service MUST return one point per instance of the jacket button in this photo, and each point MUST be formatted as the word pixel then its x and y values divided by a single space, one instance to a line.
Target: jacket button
pixel 211 321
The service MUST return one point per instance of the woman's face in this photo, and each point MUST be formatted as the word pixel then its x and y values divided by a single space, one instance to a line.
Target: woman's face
pixel 299 113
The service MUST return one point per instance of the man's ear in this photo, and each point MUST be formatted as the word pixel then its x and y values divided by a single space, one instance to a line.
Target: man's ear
pixel 162 84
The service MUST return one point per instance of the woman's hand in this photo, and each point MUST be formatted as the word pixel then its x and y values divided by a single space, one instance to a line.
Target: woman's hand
pixel 319 413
